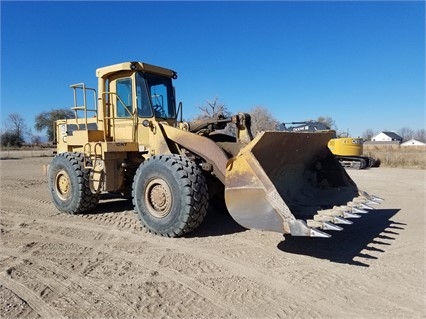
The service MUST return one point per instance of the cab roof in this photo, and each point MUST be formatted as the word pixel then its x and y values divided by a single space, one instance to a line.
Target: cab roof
pixel 106 71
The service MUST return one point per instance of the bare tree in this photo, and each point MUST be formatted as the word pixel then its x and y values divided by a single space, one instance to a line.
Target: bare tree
pixel 420 135
pixel 368 134
pixel 262 120
pixel 406 133
pixel 212 108
pixel 261 117
pixel 15 132
pixel 18 125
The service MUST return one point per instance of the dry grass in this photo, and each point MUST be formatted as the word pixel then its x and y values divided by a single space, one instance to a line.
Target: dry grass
pixel 398 156
pixel 389 155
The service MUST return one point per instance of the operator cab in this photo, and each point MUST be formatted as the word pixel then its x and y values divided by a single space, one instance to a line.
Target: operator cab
pixel 154 96
pixel 138 89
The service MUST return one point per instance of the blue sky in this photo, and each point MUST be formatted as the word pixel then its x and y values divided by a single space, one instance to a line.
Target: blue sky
pixel 361 63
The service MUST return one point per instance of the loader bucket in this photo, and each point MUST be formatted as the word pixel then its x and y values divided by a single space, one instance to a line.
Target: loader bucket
pixel 289 182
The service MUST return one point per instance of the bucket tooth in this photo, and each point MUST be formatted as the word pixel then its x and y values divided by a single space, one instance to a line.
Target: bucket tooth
pixel 329 212
pixel 371 202
pixel 376 199
pixel 341 220
pixel 364 206
pixel 340 211
pixel 373 198
pixel 360 199
pixel 324 225
pixel 330 226
pixel 332 219
pixel 324 218
pixel 359 205
pixel 343 208
pixel 300 227
pixel 350 215
pixel 318 233
pixel 359 211
pixel 364 200
pixel 351 211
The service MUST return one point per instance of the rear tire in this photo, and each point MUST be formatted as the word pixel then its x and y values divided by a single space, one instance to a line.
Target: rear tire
pixel 69 184
pixel 170 195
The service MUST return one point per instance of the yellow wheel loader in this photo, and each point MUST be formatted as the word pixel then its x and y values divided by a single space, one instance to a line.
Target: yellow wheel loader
pixel 131 141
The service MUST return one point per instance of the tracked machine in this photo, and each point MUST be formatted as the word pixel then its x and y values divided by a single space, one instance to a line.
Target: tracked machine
pixel 347 150
pixel 131 142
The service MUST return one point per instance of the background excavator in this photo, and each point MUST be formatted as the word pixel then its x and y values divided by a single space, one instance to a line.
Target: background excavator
pixel 131 142
pixel 347 150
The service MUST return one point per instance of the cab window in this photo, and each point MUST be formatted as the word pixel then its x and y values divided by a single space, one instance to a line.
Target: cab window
pixel 124 104
pixel 144 107
pixel 160 91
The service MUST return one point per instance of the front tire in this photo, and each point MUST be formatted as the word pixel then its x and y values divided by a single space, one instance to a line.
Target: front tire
pixel 170 195
pixel 69 184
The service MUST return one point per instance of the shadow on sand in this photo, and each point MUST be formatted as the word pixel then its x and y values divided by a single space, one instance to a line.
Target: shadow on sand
pixel 370 234
pixel 216 223
pixel 366 237
pixel 112 203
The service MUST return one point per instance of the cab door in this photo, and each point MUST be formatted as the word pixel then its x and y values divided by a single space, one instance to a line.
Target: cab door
pixel 123 108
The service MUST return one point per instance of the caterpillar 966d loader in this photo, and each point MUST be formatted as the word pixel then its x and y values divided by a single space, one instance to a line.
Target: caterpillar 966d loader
pixel 347 150
pixel 131 142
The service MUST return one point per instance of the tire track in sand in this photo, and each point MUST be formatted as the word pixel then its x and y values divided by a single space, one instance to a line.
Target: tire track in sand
pixel 232 260
pixel 35 302
pixel 45 235
pixel 244 298
pixel 68 285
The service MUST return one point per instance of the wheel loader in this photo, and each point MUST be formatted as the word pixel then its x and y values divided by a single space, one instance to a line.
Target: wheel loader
pixel 128 138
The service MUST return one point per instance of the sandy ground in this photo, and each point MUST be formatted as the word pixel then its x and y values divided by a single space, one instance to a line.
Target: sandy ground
pixel 102 265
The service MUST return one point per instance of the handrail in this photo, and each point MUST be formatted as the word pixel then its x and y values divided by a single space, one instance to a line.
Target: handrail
pixel 109 119
pixel 84 108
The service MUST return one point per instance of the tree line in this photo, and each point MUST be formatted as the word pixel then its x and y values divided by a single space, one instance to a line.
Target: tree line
pixel 16 133
pixel 263 120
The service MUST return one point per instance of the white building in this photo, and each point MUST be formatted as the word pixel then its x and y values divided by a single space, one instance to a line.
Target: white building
pixel 386 137
pixel 413 142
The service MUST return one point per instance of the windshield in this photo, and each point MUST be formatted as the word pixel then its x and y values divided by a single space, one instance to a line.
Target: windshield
pixel 158 92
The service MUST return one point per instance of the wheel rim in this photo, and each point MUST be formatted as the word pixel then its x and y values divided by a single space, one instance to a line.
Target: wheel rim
pixel 158 198
pixel 63 185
